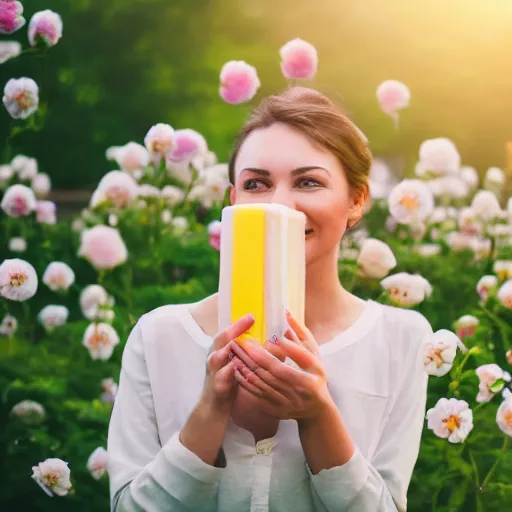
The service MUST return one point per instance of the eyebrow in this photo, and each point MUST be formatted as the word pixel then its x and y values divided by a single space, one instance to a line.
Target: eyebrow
pixel 295 172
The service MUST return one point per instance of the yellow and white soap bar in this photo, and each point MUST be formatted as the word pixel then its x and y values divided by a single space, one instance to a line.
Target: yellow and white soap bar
pixel 262 267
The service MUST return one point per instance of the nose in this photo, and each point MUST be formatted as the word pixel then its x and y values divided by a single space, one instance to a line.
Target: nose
pixel 283 196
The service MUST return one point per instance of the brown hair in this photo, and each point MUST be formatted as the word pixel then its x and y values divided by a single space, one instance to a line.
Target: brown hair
pixel 315 115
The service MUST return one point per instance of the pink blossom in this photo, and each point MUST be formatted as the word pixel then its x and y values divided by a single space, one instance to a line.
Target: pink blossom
pixel 97 463
pixel 299 59
pixel 131 157
pixel 214 230
pixel 239 82
pixel 18 280
pixel 393 96
pixel 46 212
pixel 11 18
pixel 160 141
pixel 189 144
pixel 21 97
pixel 58 276
pixel 45 25
pixel 18 201
pixel 100 339
pixel 103 247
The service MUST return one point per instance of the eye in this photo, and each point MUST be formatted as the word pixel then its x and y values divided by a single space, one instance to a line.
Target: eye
pixel 252 184
pixel 309 183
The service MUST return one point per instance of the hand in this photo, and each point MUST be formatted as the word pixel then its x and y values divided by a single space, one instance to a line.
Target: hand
pixel 220 386
pixel 280 390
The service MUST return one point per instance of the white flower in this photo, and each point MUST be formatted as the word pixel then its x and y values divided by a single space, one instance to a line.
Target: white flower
pixel 439 215
pixel 25 167
pixel 160 141
pixel 45 26
pixel 166 216
pixel 468 221
pixel 180 170
pixel 211 185
pixel 486 286
pixel 440 353
pixel 8 326
pixel 109 387
pixel 17 244
pixel 410 201
pixel 172 195
pixel 117 187
pixel 481 247
pixel 503 269
pixel 494 177
pixel 97 463
pixel 53 476
pixel 470 176
pixel 454 187
pixel 18 280
pixel 486 205
pixel 78 225
pixel 147 190
pixel 452 419
pixel 113 220
pixel 406 289
pixel 18 201
pixel 52 316
pixel 41 185
pixel 46 212
pixel 505 294
pixel 9 50
pixel 180 224
pixel 131 157
pixel 458 241
pixel 21 97
pixel 103 247
pixel 6 173
pixel 29 412
pixel 376 258
pixel 93 298
pixel 439 156
pixel 427 250
pixel 58 276
pixel 100 339
pixel 492 380
pixel 504 416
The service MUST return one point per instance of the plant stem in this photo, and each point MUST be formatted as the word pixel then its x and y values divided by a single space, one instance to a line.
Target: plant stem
pixel 495 465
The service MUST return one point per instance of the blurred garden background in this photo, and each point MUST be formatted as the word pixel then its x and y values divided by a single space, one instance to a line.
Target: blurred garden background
pixel 120 68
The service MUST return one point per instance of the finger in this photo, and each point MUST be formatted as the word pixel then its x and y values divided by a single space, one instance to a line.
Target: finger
pixel 303 334
pixel 296 327
pixel 232 332
pixel 225 379
pixel 219 358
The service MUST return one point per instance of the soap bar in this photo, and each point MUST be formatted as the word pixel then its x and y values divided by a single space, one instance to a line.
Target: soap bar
pixel 262 267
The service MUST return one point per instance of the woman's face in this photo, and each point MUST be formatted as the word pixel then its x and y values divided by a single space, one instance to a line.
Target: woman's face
pixel 281 165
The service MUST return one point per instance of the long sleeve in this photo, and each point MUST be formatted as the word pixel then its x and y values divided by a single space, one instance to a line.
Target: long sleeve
pixel 145 476
pixel 380 485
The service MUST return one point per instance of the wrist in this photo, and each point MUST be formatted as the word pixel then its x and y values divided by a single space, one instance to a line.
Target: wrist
pixel 324 414
pixel 214 408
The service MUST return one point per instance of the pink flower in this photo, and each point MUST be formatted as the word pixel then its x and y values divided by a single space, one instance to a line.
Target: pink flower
pixel 97 463
pixel 103 247
pixel 214 230
pixel 21 97
pixel 160 141
pixel 117 188
pixel 45 212
pixel 11 18
pixel 58 276
pixel 299 59
pixel 189 144
pixel 18 201
pixel 239 82
pixel 45 26
pixel 131 157
pixel 100 339
pixel 18 280
pixel 393 96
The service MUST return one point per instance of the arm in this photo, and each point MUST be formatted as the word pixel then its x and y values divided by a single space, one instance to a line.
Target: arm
pixel 145 476
pixel 344 482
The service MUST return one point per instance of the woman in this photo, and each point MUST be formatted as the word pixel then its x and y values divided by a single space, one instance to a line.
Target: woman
pixel 341 431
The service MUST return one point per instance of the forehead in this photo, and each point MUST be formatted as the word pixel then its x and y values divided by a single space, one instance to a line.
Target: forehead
pixel 281 147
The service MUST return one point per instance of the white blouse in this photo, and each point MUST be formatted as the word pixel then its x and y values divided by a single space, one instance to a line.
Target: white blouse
pixel 375 376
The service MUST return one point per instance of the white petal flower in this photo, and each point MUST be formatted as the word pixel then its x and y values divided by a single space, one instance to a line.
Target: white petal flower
pixel 440 353
pixel 25 167
pixel 100 339
pixel 166 216
pixel 8 326
pixel 53 316
pixel 9 50
pixel 160 141
pixel 78 225
pixel 438 216
pixel 486 205
pixel 406 289
pixel 172 195
pixel 470 176
pixel 503 269
pixel 411 201
pixel 18 201
pixel 131 157
pixel 116 187
pixel 458 241
pixel 18 280
pixel 427 250
pixel 469 222
pixel 439 156
pixel 504 416
pixel 103 247
pixel 376 258
pixel 179 224
pixel 486 286
pixel 481 247
pixel 505 294
pixel 494 177
pixel 45 26
pixel 97 463
pixel 46 212
pixel 41 185
pixel 109 387
pixel 452 419
pixel 180 170
pixel 147 190
pixel 17 244
pixel 92 299
pixel 6 173
pixel 29 412
pixel 21 97
pixel 492 379
pixel 53 476
pixel 58 276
